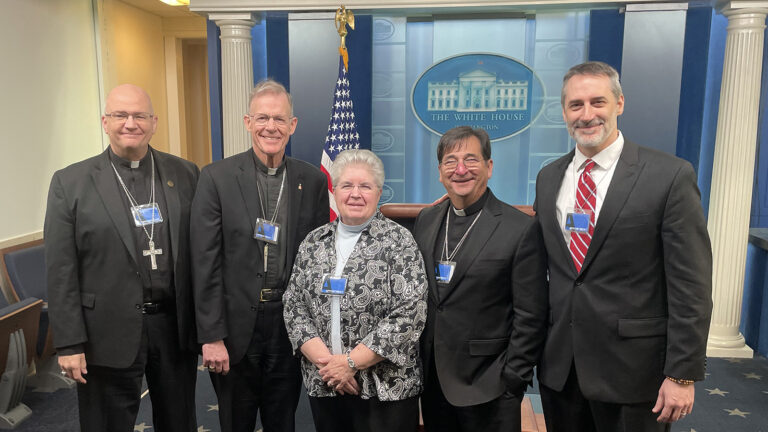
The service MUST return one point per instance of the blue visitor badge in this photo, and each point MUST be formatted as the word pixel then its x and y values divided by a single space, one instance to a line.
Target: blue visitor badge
pixel 577 220
pixel 333 285
pixel 146 214
pixel 444 271
pixel 266 231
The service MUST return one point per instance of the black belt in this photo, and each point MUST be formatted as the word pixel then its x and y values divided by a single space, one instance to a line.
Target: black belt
pixel 150 308
pixel 270 295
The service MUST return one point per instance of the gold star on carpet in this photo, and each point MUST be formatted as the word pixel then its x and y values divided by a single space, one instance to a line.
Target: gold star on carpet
pixel 202 429
pixel 752 375
pixel 717 391
pixel 737 412
pixel 734 360
pixel 141 427
pixel 213 407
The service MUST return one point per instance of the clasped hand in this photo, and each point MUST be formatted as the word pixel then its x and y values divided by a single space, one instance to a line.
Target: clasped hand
pixel 337 374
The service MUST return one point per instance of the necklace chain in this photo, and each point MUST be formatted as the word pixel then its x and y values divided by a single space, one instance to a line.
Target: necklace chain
pixel 150 234
pixel 445 255
pixel 277 205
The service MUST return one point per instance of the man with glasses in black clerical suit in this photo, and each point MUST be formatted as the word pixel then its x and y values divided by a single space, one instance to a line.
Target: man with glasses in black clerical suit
pixel 250 213
pixel 487 301
pixel 119 288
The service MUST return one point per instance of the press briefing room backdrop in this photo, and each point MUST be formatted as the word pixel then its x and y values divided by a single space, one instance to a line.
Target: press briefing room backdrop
pixel 693 73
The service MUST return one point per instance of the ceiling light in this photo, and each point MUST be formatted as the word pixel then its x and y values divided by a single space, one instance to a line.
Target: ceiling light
pixel 176 2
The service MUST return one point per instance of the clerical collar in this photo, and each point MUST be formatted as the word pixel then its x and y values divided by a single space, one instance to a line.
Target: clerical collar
pixel 265 169
pixel 354 229
pixel 129 163
pixel 472 208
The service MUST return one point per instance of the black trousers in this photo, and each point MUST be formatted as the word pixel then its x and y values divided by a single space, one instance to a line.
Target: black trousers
pixel 350 413
pixel 110 399
pixel 569 411
pixel 501 414
pixel 266 379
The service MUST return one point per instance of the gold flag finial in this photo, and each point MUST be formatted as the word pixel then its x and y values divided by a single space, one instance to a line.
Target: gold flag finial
pixel 343 18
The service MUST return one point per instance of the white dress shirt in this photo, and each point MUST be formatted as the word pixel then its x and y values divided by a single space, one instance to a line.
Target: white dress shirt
pixel 602 173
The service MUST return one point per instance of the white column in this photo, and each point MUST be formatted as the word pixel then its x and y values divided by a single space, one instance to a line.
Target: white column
pixel 236 78
pixel 733 173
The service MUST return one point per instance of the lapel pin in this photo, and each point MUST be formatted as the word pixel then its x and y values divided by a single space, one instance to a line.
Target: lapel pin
pixel 299 186
pixel 170 183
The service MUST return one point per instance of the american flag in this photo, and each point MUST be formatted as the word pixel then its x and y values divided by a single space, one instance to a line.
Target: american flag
pixel 342 131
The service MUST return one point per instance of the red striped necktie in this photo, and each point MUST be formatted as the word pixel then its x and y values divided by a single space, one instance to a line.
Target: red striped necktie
pixel 585 199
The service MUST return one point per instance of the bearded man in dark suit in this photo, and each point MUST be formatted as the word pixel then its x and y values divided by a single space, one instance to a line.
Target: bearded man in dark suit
pixel 119 288
pixel 630 268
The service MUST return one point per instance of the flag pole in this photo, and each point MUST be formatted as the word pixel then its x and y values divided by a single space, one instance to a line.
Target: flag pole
pixel 342 130
pixel 343 19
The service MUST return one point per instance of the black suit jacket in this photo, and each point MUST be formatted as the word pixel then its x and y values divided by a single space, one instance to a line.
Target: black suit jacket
pixel 94 287
pixel 486 330
pixel 640 307
pixel 228 261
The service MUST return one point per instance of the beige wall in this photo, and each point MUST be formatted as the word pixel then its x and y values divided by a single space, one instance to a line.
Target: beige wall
pixel 49 114
pixel 52 94
pixel 132 52
pixel 197 116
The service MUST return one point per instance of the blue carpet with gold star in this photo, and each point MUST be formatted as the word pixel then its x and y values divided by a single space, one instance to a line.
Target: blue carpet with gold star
pixel 733 398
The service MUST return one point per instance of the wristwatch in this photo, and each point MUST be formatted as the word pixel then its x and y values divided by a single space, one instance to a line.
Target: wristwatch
pixel 351 363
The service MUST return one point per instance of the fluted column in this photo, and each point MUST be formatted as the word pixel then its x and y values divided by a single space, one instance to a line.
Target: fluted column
pixel 732 175
pixel 236 78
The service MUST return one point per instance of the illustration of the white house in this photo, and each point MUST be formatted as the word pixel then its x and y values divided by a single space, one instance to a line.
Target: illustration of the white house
pixel 477 91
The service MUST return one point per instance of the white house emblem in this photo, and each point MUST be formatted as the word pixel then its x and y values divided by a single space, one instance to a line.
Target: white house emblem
pixel 494 92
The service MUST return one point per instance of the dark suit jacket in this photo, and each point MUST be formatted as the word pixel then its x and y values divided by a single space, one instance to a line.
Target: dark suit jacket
pixel 487 329
pixel 640 307
pixel 228 261
pixel 94 287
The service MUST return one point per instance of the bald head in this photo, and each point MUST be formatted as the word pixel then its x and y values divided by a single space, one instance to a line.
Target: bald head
pixel 129 121
pixel 128 92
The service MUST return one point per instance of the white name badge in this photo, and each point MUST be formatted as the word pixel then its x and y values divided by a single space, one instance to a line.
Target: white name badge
pixel 266 231
pixel 444 271
pixel 146 214
pixel 333 285
pixel 577 220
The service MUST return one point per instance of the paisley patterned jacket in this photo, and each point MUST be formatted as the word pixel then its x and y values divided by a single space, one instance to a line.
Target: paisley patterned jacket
pixel 384 306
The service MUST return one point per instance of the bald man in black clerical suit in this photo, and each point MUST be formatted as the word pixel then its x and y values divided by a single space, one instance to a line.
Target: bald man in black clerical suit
pixel 119 288
pixel 487 300
pixel 630 272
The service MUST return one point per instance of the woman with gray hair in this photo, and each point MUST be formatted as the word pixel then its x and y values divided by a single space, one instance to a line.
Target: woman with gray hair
pixel 355 308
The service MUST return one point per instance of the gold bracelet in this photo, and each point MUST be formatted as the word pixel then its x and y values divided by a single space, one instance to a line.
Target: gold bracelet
pixel 680 381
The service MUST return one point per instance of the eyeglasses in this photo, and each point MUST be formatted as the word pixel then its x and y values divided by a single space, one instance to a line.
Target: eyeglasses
pixel 121 116
pixel 470 162
pixel 263 119
pixel 364 188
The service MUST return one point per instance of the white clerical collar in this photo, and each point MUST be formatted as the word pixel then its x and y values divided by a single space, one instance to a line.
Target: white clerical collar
pixel 605 159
